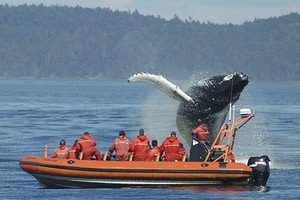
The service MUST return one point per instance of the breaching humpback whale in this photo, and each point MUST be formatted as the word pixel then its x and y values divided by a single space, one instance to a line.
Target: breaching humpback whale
pixel 207 100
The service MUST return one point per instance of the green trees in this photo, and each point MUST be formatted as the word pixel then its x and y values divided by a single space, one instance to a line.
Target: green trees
pixel 62 42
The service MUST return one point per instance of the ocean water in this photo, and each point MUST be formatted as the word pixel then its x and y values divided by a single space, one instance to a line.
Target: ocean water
pixel 34 113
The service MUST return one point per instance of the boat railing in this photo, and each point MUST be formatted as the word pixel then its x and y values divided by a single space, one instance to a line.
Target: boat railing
pixel 223 144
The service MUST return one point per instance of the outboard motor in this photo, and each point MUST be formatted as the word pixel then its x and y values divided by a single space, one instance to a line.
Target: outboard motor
pixel 261 170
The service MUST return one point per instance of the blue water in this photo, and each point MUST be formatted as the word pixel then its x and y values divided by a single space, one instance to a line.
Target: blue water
pixel 34 113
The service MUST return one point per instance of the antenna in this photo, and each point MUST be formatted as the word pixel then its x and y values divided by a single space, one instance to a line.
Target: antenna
pixel 231 107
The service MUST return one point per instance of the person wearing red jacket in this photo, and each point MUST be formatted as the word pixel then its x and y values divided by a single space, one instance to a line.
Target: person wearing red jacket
pixel 140 146
pixel 121 145
pixel 200 131
pixel 154 152
pixel 73 153
pixel 61 152
pixel 230 156
pixel 183 153
pixel 87 146
pixel 171 148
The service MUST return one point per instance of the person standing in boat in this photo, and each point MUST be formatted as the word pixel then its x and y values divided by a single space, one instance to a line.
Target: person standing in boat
pixel 153 153
pixel 61 152
pixel 200 131
pixel 171 148
pixel 121 145
pixel 87 146
pixel 140 146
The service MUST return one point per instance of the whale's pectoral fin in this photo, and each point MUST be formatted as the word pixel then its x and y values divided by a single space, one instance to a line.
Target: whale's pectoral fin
pixel 163 84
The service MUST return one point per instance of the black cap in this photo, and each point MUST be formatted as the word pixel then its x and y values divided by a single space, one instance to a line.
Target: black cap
pixel 122 133
pixel 62 143
pixel 154 143
pixel 173 133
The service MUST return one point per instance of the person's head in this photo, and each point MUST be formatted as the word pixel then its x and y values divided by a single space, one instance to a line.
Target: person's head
pixel 122 133
pixel 62 143
pixel 86 133
pixel 75 142
pixel 142 131
pixel 199 121
pixel 154 143
pixel 180 145
pixel 173 134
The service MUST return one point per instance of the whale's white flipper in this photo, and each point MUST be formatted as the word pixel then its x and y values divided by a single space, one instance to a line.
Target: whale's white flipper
pixel 163 84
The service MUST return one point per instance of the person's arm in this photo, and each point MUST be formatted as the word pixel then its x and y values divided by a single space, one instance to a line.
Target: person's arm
pixel 112 148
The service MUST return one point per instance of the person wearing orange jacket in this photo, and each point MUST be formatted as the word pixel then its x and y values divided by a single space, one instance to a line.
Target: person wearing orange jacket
pixel 171 148
pixel 183 153
pixel 61 152
pixel 121 145
pixel 154 152
pixel 73 153
pixel 200 131
pixel 87 146
pixel 140 146
pixel 230 156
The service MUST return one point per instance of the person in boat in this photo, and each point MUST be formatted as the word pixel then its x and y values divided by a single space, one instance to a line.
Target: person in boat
pixel 140 146
pixel 230 156
pixel 73 153
pixel 121 146
pixel 200 131
pixel 87 147
pixel 170 147
pixel 61 152
pixel 154 152
pixel 183 152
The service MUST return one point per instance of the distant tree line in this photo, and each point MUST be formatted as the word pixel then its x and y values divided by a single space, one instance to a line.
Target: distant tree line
pixel 62 42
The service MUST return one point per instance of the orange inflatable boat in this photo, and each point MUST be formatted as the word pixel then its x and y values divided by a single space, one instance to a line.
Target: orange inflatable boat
pixel 85 173
pixel 206 166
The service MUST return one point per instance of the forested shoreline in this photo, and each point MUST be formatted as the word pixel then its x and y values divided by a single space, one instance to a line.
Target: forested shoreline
pixel 62 42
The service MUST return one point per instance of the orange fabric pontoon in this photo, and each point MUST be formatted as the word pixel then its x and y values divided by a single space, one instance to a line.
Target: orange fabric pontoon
pixel 89 173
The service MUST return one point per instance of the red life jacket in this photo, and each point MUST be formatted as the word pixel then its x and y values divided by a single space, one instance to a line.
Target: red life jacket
pixel 152 153
pixel 231 157
pixel 60 152
pixel 171 148
pixel 87 145
pixel 121 145
pixel 201 132
pixel 72 153
pixel 182 152
pixel 140 147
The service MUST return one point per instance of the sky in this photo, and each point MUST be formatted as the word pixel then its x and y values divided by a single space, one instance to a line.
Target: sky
pixel 214 11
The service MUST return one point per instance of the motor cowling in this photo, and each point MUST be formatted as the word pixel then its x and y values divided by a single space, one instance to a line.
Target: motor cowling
pixel 261 170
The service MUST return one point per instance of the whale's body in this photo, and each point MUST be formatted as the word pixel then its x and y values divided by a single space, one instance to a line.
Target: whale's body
pixel 207 100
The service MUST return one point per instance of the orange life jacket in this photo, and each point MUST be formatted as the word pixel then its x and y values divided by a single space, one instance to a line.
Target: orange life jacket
pixel 121 145
pixel 152 153
pixel 72 153
pixel 60 152
pixel 201 132
pixel 171 148
pixel 140 147
pixel 87 145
